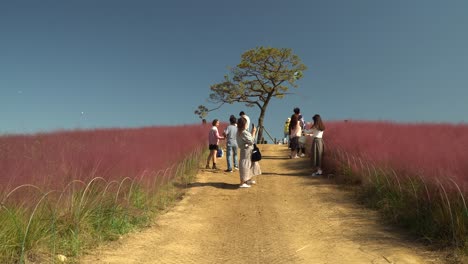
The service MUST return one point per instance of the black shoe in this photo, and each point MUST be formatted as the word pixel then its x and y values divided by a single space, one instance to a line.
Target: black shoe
pixel 228 171
pixel 214 167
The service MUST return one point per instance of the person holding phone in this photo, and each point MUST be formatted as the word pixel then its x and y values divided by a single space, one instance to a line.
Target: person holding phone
pixel 317 144
pixel 245 142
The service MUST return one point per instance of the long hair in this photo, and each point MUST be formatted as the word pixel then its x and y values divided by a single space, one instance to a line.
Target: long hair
pixel 293 123
pixel 318 124
pixel 241 122
pixel 232 120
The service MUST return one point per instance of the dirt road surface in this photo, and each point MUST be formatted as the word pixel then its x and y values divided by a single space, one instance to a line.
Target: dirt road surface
pixel 287 217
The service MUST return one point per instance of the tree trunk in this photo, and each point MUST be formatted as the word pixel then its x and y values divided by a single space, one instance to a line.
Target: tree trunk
pixel 260 119
pixel 260 126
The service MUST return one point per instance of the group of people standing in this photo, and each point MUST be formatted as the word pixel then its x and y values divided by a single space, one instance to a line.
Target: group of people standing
pixel 238 137
pixel 297 133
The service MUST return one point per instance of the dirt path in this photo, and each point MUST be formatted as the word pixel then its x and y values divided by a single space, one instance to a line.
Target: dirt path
pixel 288 217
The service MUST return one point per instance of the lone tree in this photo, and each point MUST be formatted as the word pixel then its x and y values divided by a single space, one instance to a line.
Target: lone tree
pixel 263 73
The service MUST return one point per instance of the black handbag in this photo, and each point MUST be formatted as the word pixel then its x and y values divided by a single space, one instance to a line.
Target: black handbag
pixel 256 155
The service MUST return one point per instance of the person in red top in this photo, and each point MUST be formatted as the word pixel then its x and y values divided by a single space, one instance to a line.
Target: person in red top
pixel 213 141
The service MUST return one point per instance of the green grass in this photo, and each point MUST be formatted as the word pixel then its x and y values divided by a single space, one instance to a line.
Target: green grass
pixel 83 215
pixel 434 211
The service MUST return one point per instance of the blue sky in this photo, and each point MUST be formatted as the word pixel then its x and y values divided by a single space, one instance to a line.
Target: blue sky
pixel 111 63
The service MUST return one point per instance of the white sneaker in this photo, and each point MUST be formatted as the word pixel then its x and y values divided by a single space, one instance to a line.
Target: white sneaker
pixel 236 168
pixel 316 174
pixel 296 157
pixel 302 155
pixel 251 182
pixel 244 185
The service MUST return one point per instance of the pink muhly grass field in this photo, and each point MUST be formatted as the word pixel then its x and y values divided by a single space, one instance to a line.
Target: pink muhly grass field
pixel 432 151
pixel 415 174
pixel 52 160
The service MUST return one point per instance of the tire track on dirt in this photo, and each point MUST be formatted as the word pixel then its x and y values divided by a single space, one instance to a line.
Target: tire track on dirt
pixel 288 217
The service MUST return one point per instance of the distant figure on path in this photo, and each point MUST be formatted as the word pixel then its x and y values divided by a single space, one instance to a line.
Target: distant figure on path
pixel 286 131
pixel 231 144
pixel 245 141
pixel 247 118
pixel 317 144
pixel 213 141
pixel 297 111
pixel 295 132
pixel 301 148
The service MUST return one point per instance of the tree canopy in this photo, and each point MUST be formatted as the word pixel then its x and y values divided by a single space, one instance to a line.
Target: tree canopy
pixel 263 73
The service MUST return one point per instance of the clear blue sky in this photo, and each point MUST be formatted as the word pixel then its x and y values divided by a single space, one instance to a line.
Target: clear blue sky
pixel 111 63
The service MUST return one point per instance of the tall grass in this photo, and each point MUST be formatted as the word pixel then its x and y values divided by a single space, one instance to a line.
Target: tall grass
pixel 415 174
pixel 75 189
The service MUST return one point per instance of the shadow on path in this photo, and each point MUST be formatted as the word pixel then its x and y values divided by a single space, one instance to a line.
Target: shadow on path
pixel 275 157
pixel 220 185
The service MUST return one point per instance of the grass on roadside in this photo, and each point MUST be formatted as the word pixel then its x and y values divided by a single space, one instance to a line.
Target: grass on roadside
pixel 435 211
pixel 83 215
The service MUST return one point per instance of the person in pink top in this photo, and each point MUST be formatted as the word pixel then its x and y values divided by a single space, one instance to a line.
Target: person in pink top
pixel 213 144
pixel 295 131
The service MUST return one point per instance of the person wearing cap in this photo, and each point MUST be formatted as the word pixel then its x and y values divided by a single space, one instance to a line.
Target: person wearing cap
pixel 247 125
